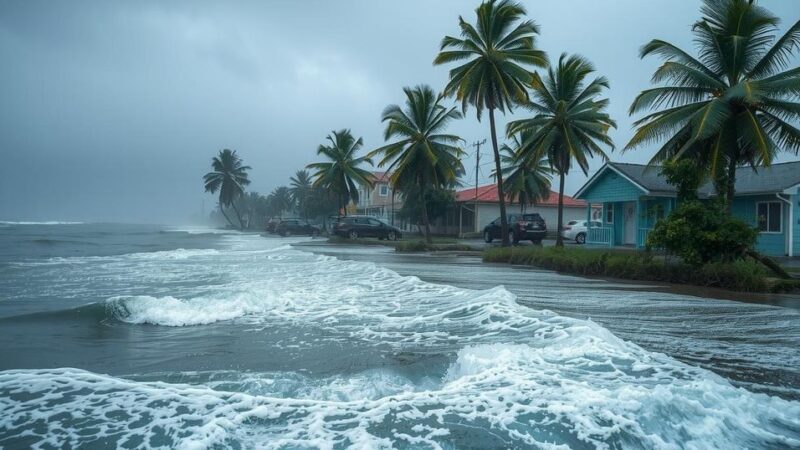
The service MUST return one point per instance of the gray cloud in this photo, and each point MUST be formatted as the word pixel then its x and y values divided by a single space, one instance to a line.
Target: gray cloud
pixel 112 111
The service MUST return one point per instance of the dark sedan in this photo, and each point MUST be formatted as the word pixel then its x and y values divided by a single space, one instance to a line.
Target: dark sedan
pixel 521 227
pixel 289 227
pixel 354 227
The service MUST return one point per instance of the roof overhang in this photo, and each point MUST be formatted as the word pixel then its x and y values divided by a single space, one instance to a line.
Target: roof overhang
pixel 596 176
pixel 792 190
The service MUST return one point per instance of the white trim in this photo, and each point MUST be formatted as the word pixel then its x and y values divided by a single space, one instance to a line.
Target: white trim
pixel 790 234
pixel 609 165
pixel 767 202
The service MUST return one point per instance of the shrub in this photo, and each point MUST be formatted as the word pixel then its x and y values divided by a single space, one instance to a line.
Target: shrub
pixel 700 233
pixel 739 275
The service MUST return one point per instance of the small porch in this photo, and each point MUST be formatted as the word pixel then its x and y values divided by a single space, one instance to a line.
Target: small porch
pixel 625 223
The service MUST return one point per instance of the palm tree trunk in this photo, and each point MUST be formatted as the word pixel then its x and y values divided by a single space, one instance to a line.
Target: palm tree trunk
pixel 559 239
pixel 500 193
pixel 222 210
pixel 425 219
pixel 238 216
pixel 731 186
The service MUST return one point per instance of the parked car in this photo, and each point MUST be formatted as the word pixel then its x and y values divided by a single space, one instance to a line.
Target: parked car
pixel 521 227
pixel 364 226
pixel 576 230
pixel 288 227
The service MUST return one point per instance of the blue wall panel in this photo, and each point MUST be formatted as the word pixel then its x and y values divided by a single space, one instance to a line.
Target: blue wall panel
pixel 610 187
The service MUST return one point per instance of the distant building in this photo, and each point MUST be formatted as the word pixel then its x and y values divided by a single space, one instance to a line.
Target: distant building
pixel 633 197
pixel 381 200
pixel 486 207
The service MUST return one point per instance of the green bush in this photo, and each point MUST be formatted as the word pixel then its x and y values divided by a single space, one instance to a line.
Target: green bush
pixel 700 233
pixel 737 275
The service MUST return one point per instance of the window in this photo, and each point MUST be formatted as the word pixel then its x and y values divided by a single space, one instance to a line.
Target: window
pixel 374 223
pixel 383 190
pixel 769 215
pixel 610 214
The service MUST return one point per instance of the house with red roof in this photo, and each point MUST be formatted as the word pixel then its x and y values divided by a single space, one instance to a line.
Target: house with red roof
pixel 483 203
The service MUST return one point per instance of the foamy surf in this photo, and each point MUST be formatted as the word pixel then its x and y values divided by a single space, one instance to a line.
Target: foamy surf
pixel 445 367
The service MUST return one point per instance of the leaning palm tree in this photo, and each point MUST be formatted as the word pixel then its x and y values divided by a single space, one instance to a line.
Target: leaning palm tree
pixel 423 157
pixel 735 103
pixel 229 178
pixel 494 77
pixel 570 122
pixel 526 178
pixel 342 174
pixel 300 190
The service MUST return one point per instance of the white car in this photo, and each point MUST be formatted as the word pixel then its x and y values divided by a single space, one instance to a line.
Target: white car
pixel 575 230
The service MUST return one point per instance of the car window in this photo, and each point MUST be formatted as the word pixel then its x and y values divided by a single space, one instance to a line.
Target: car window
pixel 496 221
pixel 573 222
pixel 531 217
pixel 374 222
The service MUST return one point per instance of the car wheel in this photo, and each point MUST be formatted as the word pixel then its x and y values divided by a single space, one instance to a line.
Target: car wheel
pixel 392 236
pixel 580 238
pixel 512 239
pixel 487 237
pixel 536 241
pixel 353 234
pixel 314 233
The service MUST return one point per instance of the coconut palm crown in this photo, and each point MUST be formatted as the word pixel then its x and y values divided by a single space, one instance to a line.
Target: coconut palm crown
pixel 423 156
pixel 229 178
pixel 569 123
pixel 342 173
pixel 494 53
pixel 732 104
pixel 525 179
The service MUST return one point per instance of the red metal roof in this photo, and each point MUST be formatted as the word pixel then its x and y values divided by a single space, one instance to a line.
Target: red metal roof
pixel 488 194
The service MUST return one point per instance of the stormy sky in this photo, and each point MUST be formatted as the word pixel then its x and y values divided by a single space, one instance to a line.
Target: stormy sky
pixel 111 111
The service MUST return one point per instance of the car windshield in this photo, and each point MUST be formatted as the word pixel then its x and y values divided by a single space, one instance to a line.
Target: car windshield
pixel 531 217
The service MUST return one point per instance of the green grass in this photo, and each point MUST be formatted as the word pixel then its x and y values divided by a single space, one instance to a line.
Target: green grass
pixel 744 276
pixel 408 246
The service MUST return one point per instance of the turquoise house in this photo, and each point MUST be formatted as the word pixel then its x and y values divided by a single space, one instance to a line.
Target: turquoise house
pixel 628 199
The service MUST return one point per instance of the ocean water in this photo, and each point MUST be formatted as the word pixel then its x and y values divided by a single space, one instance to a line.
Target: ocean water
pixel 142 336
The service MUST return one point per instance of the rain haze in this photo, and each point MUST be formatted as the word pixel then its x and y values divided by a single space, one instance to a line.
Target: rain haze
pixel 112 111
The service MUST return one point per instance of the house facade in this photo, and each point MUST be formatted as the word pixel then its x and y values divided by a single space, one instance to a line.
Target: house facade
pixel 381 201
pixel 633 197
pixel 477 208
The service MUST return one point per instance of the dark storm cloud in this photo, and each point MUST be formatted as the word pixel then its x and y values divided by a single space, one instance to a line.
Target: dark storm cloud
pixel 111 110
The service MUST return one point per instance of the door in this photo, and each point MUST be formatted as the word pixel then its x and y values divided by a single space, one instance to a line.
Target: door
pixel 375 228
pixel 630 223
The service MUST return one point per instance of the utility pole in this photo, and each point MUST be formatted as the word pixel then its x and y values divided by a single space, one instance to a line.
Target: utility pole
pixel 477 145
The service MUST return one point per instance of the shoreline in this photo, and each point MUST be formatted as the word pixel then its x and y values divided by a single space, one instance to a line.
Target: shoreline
pixel 701 292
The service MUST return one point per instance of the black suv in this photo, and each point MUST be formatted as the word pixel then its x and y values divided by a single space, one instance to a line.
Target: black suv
pixel 288 227
pixel 364 226
pixel 521 227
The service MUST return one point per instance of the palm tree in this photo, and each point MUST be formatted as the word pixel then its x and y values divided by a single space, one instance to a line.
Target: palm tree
pixel 229 178
pixel 570 121
pixel 281 200
pixel 525 177
pixel 342 174
pixel 730 105
pixel 494 77
pixel 300 190
pixel 423 157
